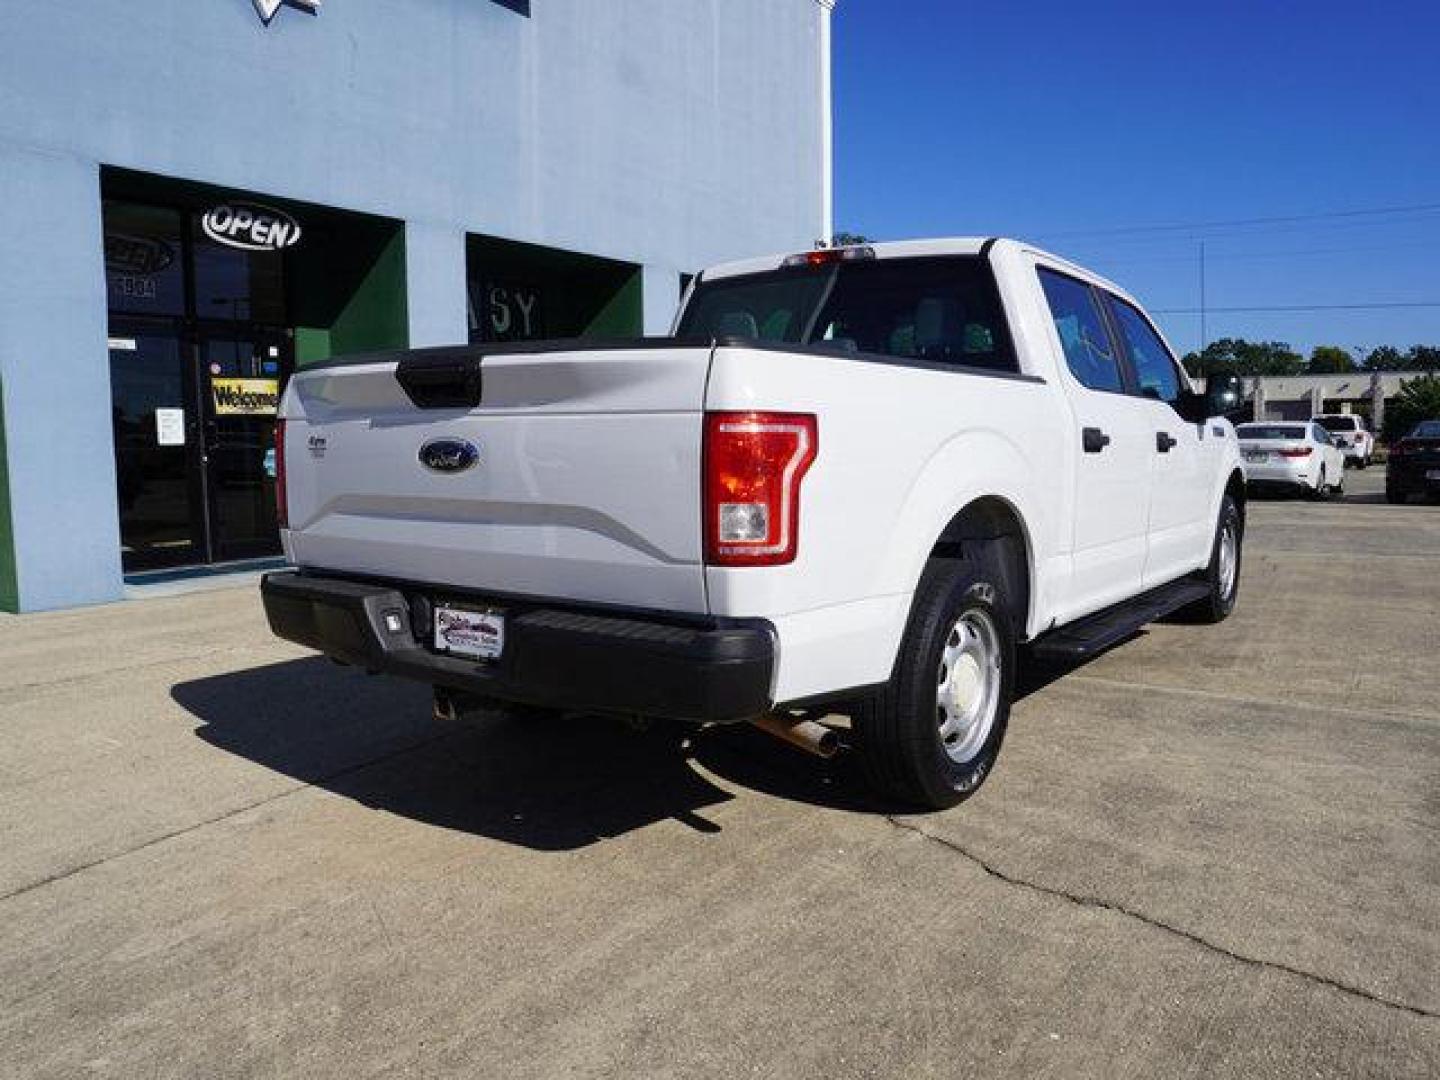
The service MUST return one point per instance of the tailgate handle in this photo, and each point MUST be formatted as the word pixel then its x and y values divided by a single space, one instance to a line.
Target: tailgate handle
pixel 443 379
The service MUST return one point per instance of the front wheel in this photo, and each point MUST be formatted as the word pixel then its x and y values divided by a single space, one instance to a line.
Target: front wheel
pixel 931 736
pixel 1223 573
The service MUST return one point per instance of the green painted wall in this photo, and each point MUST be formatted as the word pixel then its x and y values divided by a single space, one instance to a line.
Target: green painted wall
pixel 623 315
pixel 376 316
pixel 348 292
pixel 9 580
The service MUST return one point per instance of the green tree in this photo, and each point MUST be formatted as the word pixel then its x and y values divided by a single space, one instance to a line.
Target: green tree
pixel 1329 360
pixel 1384 358
pixel 1422 358
pixel 848 239
pixel 1240 357
pixel 1418 399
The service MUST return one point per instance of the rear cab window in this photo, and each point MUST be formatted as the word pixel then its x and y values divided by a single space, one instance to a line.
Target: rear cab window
pixel 1339 423
pixel 943 310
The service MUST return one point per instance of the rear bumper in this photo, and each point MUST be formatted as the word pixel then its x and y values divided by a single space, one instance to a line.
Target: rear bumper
pixel 1276 473
pixel 556 656
pixel 1412 477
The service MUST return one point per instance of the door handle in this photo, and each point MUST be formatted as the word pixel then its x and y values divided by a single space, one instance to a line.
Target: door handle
pixel 1094 440
pixel 1163 441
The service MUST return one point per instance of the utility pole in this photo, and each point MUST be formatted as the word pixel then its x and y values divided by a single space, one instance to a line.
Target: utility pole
pixel 1204 337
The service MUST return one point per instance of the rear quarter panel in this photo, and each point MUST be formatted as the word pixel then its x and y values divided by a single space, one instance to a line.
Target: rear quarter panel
pixel 902 449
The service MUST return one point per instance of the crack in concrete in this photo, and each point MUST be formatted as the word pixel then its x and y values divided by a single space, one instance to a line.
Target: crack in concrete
pixel 1095 902
pixel 349 770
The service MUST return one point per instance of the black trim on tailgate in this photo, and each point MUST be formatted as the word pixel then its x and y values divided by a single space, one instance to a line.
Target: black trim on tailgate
pixel 556 655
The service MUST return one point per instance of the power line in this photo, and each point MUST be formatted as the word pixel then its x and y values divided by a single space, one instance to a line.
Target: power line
pixel 1383 305
pixel 1279 219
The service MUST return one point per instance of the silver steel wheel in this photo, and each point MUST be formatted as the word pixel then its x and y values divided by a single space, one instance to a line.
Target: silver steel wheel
pixel 1229 561
pixel 967 696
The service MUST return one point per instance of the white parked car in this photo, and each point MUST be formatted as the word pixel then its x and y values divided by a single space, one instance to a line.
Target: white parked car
pixel 1351 435
pixel 1299 455
pixel 851 482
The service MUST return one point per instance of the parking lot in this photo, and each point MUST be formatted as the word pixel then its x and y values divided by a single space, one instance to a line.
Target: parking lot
pixel 1214 851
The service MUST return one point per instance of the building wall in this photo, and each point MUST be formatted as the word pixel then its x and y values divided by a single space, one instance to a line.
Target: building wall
pixel 666 133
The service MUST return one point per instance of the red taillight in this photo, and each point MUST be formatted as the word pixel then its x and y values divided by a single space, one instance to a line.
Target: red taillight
pixel 754 463
pixel 829 256
pixel 282 508
pixel 1295 451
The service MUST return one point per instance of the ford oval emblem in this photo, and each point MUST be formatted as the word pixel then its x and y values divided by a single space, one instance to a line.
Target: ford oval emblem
pixel 449 455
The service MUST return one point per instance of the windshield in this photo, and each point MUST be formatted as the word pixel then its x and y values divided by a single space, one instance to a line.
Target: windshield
pixel 943 310
pixel 1269 431
pixel 1427 429
pixel 1339 423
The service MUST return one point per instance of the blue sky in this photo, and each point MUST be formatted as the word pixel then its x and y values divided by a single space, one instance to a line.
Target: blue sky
pixel 1067 123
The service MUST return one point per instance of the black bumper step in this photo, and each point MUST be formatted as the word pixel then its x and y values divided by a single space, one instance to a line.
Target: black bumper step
pixel 1094 634
pixel 711 669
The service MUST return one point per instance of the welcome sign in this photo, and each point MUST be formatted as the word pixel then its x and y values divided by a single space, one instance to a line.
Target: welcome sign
pixel 245 397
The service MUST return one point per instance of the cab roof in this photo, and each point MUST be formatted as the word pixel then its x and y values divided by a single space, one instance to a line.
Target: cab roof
pixel 909 249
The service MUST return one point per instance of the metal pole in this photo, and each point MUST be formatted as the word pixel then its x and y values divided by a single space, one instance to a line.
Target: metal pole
pixel 1204 336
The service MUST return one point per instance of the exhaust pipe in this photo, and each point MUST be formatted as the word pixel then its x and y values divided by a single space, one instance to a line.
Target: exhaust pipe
pixel 812 737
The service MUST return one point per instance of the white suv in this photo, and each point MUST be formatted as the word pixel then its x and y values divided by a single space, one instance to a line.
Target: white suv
pixel 1351 435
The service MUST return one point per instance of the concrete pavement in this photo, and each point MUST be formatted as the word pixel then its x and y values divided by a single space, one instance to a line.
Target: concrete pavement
pixel 1214 851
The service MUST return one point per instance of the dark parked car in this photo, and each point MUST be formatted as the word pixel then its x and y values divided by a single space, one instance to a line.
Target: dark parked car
pixel 1414 466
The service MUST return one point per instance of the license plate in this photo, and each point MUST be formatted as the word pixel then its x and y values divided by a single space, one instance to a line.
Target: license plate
pixel 479 635
pixel 1255 457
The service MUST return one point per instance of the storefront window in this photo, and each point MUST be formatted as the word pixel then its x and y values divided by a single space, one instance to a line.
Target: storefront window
pixel 237 285
pixel 144 268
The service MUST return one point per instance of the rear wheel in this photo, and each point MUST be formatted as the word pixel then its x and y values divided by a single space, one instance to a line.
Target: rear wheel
pixel 1223 573
pixel 931 736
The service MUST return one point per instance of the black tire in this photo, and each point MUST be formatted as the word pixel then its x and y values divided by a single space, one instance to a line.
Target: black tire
pixel 1221 602
pixel 897 732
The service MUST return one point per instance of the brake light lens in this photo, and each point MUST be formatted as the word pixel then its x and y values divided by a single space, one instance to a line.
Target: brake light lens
pixel 754 463
pixel 282 506
pixel 828 256
pixel 1296 451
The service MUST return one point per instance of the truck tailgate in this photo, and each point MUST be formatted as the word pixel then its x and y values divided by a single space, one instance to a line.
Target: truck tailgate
pixel 586 485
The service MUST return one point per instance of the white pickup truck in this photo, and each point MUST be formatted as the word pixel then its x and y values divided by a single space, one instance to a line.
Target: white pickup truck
pixel 851 483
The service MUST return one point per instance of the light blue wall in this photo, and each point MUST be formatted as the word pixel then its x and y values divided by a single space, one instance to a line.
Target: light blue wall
pixel 668 133
pixel 55 376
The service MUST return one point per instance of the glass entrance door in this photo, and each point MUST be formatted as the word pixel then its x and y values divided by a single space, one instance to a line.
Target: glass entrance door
pixel 240 371
pixel 155 430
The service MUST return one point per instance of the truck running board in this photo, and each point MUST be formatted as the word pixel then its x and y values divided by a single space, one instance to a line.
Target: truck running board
pixel 1094 634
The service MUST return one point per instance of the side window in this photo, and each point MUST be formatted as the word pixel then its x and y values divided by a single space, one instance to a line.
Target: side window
pixel 1155 372
pixel 1321 435
pixel 1088 349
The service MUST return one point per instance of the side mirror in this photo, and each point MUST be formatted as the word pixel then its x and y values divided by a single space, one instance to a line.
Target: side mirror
pixel 1224 395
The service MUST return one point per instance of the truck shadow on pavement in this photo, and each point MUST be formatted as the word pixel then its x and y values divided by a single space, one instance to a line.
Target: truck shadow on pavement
pixel 553 784
pixel 550 785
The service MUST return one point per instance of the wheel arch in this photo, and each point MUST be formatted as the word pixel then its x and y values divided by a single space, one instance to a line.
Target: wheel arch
pixel 992 531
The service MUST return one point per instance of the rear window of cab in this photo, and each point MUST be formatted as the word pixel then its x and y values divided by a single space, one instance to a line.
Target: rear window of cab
pixel 942 310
